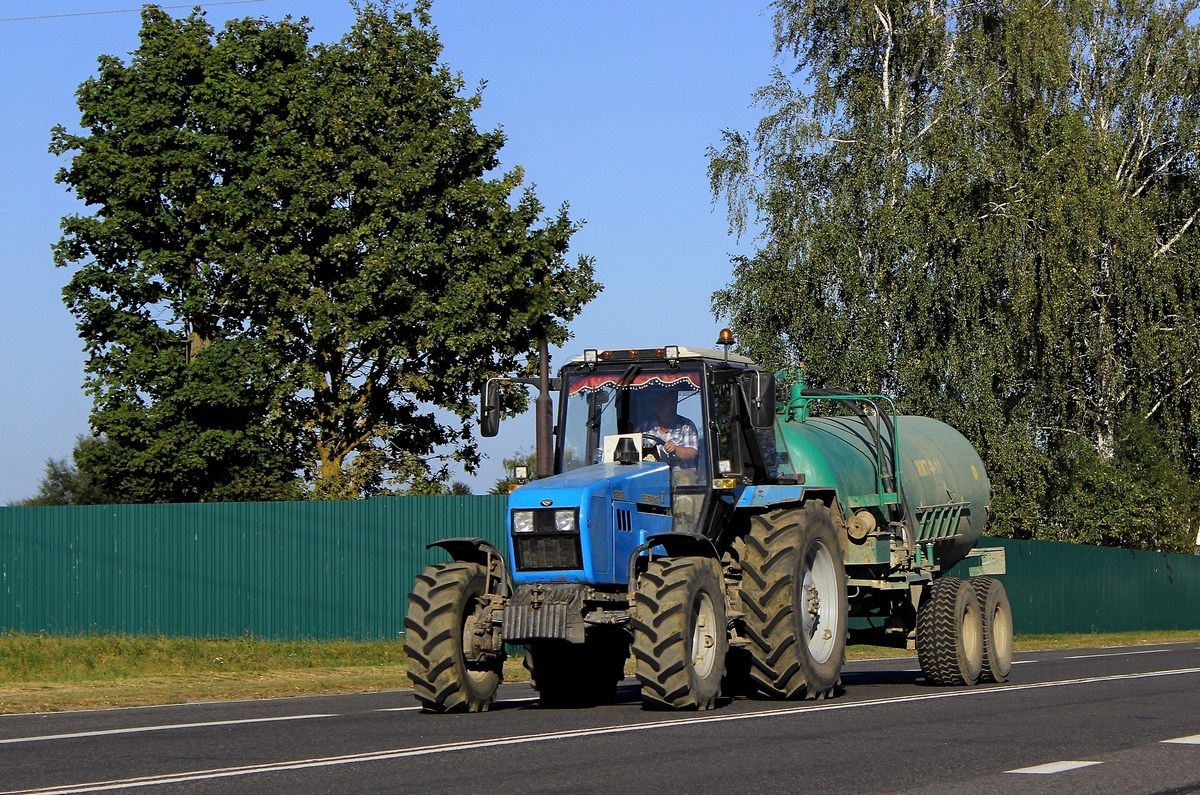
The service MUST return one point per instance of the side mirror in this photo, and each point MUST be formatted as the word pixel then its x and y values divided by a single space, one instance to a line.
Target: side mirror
pixel 489 409
pixel 758 392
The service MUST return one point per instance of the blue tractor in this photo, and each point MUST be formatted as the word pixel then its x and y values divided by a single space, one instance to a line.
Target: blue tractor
pixel 724 524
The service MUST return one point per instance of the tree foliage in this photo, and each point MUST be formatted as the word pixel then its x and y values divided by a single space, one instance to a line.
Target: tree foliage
pixel 300 258
pixel 67 483
pixel 989 210
pixel 525 458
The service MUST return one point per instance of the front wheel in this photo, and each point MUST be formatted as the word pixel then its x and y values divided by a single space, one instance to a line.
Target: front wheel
pixel 680 634
pixel 449 672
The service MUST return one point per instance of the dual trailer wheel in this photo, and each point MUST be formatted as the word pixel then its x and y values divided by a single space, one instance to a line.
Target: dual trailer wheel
pixel 965 632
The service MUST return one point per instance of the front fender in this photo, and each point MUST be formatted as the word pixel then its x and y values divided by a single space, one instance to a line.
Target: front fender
pixel 676 545
pixel 481 551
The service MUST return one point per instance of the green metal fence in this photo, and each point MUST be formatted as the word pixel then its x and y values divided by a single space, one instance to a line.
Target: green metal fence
pixel 343 569
pixel 276 570
pixel 1055 587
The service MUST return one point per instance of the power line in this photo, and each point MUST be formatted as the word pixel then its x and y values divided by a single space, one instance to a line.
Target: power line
pixel 128 10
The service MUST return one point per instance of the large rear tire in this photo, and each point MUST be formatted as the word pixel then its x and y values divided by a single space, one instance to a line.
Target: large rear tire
pixel 997 629
pixel 794 594
pixel 443 609
pixel 680 634
pixel 578 674
pixel 950 633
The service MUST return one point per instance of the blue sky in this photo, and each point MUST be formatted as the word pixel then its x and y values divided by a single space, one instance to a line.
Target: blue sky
pixel 608 106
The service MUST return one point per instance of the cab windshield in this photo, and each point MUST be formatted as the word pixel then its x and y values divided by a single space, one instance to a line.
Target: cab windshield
pixel 659 408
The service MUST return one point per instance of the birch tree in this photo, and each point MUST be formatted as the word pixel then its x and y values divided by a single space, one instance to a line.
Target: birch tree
pixel 988 209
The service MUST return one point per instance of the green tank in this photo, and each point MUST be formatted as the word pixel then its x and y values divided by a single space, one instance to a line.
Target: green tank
pixel 913 470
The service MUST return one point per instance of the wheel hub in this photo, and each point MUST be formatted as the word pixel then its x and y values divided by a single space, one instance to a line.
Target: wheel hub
pixel 703 641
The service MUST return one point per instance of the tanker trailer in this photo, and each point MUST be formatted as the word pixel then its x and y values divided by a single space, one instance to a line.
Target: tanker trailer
pixel 913 497
pixel 724 531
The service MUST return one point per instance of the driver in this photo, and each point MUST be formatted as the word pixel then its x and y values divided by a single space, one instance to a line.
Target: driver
pixel 678 433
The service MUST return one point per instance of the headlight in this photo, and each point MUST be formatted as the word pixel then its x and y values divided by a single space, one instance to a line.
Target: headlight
pixel 564 522
pixel 542 521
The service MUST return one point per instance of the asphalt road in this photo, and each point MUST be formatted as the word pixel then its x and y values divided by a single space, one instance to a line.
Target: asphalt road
pixel 1116 720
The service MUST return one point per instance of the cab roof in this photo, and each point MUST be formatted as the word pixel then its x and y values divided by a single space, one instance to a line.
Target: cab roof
pixel 650 355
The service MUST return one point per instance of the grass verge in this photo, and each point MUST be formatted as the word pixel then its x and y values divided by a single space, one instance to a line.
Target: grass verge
pixel 40 673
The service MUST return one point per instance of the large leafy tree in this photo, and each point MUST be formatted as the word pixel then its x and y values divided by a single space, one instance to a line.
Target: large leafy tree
pixel 301 258
pixel 990 210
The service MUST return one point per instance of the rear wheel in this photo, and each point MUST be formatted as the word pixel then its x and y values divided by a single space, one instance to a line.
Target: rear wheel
pixel 794 594
pixel 997 629
pixel 950 633
pixel 679 633
pixel 448 672
pixel 578 674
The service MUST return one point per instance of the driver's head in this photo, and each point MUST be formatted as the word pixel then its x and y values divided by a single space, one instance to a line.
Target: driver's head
pixel 665 402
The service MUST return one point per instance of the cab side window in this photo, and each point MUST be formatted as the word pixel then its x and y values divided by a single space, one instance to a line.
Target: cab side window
pixel 721 414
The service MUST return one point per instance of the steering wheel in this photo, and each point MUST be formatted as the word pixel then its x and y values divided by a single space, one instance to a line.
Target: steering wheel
pixel 654 448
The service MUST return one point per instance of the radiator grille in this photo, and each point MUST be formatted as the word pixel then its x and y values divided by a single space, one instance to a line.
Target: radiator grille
pixel 547 552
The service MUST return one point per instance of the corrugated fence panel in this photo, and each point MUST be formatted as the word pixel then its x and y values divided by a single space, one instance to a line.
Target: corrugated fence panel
pixel 343 570
pixel 1055 587
pixel 276 570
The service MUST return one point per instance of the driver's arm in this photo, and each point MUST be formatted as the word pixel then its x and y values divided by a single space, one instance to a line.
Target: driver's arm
pixel 681 452
pixel 687 448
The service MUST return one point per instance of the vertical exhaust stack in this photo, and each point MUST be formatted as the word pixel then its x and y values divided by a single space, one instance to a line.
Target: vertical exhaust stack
pixel 545 417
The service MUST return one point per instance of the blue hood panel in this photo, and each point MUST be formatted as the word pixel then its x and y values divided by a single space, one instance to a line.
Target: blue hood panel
pixel 619 505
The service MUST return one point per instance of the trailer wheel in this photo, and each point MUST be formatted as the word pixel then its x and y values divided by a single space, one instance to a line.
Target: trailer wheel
pixel 950 633
pixel 997 629
pixel 680 633
pixel 442 611
pixel 578 674
pixel 794 592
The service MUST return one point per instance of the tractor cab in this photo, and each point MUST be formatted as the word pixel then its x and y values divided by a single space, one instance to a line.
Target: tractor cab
pixel 693 410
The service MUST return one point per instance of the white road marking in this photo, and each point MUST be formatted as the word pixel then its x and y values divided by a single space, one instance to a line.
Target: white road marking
pixel 1115 654
pixel 918 670
pixel 1193 740
pixel 1053 767
pixel 526 739
pixel 500 701
pixel 165 727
